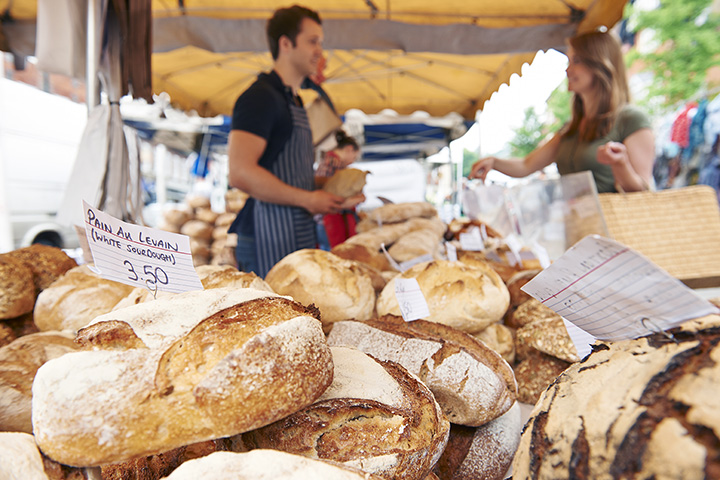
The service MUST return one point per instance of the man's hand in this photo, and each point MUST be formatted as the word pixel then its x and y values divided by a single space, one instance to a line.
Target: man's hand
pixel 320 201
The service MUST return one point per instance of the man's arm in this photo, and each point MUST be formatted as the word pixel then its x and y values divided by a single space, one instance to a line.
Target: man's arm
pixel 245 173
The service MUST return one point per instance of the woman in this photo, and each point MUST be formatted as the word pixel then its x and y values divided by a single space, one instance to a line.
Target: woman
pixel 605 135
pixel 335 228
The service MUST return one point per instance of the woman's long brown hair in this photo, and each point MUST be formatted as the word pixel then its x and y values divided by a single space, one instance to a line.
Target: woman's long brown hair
pixel 601 52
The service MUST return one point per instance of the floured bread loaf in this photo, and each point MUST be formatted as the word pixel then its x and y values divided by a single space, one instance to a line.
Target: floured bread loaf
pixel 17 287
pixel 176 376
pixel 457 295
pixel 338 287
pixel 375 416
pixel 47 263
pixel 74 299
pixel 644 408
pixel 264 464
pixel 346 182
pixel 20 458
pixel 19 361
pixel 472 383
pixel 484 452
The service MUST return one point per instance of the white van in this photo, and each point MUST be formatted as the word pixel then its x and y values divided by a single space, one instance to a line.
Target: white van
pixel 39 138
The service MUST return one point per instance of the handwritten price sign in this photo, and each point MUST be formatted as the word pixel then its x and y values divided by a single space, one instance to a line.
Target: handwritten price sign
pixel 139 256
pixel 412 302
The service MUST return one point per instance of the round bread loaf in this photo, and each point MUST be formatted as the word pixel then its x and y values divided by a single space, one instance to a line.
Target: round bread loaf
pixel 467 298
pixel 17 287
pixel 177 218
pixel 346 182
pixel 548 336
pixel 47 263
pixel 514 284
pixel 529 311
pixel 415 244
pixel 500 338
pixel 362 254
pixel 224 220
pixel 19 362
pixel 264 464
pixel 206 215
pixel 197 201
pixel 339 288
pixel 484 452
pixel 20 458
pixel 535 373
pixel 217 276
pixel 74 299
pixel 472 383
pixel 198 230
pixel 176 376
pixel 480 259
pixel 643 408
pixel 375 416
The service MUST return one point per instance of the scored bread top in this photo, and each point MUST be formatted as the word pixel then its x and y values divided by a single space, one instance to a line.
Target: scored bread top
pixel 162 321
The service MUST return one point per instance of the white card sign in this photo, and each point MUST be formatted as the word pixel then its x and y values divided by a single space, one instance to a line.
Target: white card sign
pixel 139 256
pixel 472 240
pixel 613 292
pixel 413 305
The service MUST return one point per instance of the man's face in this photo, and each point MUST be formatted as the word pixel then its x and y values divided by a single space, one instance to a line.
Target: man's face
pixel 307 52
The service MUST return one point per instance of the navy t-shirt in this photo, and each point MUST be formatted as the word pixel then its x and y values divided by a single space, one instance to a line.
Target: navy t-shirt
pixel 264 110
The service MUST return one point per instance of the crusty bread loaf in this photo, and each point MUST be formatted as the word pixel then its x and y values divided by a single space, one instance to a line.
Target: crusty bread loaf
pixel 196 201
pixel 346 182
pixel 198 229
pixel 415 244
pixel 529 311
pixel 338 287
pixel 472 383
pixel 20 458
pixel 484 452
pixel 514 284
pixel 480 259
pixel 206 215
pixel 535 373
pixel 457 295
pixel 74 299
pixel 47 263
pixel 6 334
pixel 363 254
pixel 16 286
pixel 265 464
pixel 177 217
pixel 19 361
pixel 500 338
pixel 175 376
pixel 548 336
pixel 224 220
pixel 398 212
pixel 217 276
pixel 375 416
pixel 643 408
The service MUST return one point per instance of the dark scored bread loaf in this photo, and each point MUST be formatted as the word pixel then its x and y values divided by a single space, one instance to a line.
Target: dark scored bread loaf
pixel 177 375
pixel 471 382
pixel 375 416
pixel 644 408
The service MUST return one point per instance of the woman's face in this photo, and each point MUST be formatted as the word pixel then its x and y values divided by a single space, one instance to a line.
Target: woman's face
pixel 348 154
pixel 580 76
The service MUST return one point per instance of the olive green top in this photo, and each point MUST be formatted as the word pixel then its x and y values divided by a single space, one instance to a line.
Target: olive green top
pixel 576 156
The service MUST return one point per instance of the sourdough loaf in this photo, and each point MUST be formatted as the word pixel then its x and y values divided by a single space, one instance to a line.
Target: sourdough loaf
pixel 643 408
pixel 346 182
pixel 458 295
pixel 363 254
pixel 339 288
pixel 74 299
pixel 175 376
pixel 17 288
pixel 265 465
pixel 19 362
pixel 398 212
pixel 484 452
pixel 472 383
pixel 20 458
pixel 375 416
pixel 47 263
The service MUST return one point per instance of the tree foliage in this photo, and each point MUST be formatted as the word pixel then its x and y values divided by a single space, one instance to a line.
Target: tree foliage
pixel 689 38
pixel 469 157
pixel 528 135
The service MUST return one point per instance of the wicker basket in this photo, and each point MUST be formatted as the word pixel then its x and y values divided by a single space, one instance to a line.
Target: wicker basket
pixel 678 229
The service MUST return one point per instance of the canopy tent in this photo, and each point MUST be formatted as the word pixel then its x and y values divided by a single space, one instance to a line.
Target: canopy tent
pixel 406 55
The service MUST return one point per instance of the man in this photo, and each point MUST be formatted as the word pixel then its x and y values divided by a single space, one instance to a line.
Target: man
pixel 270 149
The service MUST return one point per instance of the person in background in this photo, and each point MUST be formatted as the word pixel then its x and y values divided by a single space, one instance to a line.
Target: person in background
pixel 338 227
pixel 606 135
pixel 270 149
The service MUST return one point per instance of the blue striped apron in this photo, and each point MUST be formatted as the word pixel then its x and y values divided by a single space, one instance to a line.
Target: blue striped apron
pixel 282 229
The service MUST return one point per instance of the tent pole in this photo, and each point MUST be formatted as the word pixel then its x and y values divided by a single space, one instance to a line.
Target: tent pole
pixel 92 88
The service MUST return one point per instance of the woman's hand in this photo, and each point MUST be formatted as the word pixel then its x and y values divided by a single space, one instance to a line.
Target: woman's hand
pixel 481 168
pixel 613 154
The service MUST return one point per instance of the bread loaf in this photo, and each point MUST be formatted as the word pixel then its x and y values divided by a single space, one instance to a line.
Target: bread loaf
pixel 19 361
pixel 514 284
pixel 548 336
pixel 74 299
pixel 374 416
pixel 47 263
pixel 399 212
pixel 457 295
pixel 338 287
pixel 17 288
pixel 529 311
pixel 472 383
pixel 535 373
pixel 20 458
pixel 346 182
pixel 265 465
pixel 363 254
pixel 643 408
pixel 500 338
pixel 415 244
pixel 484 452
pixel 179 372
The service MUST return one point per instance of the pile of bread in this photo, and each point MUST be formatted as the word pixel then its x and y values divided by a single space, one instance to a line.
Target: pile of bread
pixel 207 229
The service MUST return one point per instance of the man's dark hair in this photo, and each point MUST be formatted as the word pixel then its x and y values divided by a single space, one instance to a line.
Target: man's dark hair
pixel 287 21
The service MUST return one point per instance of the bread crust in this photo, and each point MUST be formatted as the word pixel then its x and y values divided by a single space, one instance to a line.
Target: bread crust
pixel 238 369
pixel 17 287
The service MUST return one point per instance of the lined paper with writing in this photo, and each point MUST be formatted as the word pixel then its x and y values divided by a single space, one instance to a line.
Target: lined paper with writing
pixel 613 292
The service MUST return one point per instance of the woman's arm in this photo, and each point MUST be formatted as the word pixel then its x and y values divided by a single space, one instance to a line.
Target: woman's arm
pixel 536 160
pixel 631 161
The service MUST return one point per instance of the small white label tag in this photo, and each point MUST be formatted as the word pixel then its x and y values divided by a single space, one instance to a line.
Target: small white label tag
pixel 411 299
pixel 515 246
pixel 613 292
pixel 392 261
pixel 451 251
pixel 471 240
pixel 411 263
pixel 541 254
pixel 139 256
pixel 580 338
